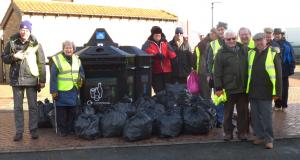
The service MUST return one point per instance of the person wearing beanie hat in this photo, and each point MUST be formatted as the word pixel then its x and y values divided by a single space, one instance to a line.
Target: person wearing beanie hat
pixel 26 25
pixel 27 72
pixel 162 52
pixel 182 64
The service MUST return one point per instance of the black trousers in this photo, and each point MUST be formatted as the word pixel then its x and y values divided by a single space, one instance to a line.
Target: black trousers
pixel 285 94
pixel 241 101
pixel 65 118
pixel 159 81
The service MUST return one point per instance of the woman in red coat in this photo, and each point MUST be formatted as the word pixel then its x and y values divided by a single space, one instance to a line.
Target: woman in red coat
pixel 158 46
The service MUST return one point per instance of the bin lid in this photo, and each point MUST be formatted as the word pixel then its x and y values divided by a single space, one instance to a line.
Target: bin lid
pixel 134 50
pixel 100 38
pixel 102 52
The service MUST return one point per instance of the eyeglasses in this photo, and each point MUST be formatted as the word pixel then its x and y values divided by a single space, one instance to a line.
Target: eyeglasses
pixel 229 39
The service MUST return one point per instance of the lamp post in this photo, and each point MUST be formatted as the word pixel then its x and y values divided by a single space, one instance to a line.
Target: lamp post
pixel 212 13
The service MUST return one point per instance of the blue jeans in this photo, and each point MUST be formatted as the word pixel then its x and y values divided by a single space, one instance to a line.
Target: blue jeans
pixel 220 113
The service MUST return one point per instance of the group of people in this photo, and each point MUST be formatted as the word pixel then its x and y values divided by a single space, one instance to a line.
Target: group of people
pixel 28 74
pixel 224 64
pixel 239 66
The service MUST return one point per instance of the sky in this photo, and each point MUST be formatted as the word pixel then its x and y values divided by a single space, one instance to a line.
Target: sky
pixel 254 14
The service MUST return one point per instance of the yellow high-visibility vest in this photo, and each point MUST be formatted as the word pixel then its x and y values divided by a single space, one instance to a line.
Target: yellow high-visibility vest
pixel 269 66
pixel 218 100
pixel 198 54
pixel 68 76
pixel 251 44
pixel 30 56
pixel 215 45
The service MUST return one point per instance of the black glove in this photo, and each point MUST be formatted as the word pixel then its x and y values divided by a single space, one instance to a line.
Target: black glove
pixel 160 56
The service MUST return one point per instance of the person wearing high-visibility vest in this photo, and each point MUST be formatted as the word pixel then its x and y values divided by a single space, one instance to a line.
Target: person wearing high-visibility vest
pixel 245 38
pixel 26 58
pixel 200 63
pixel 263 85
pixel 212 51
pixel 66 78
pixel 231 74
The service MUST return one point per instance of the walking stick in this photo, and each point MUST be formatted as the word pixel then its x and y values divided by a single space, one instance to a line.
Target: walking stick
pixel 55 115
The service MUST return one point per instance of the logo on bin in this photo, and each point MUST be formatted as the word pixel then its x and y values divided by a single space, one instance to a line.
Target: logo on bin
pixel 96 92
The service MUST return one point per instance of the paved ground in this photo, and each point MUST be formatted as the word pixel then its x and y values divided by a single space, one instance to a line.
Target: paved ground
pixel 286 125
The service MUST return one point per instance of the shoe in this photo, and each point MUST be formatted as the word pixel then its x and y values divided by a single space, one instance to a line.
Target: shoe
pixel 228 137
pixel 277 109
pixel 243 137
pixel 284 109
pixel 219 125
pixel 258 141
pixel 269 145
pixel 18 137
pixel 34 134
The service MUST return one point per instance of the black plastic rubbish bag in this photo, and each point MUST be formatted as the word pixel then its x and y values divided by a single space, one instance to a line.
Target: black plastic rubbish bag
pixel 87 126
pixel 207 105
pixel 138 127
pixel 170 124
pixel 144 102
pixel 196 120
pixel 43 110
pixel 112 123
pixel 88 109
pixel 51 116
pixel 127 108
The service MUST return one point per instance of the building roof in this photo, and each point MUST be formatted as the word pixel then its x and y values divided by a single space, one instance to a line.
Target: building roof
pixel 75 9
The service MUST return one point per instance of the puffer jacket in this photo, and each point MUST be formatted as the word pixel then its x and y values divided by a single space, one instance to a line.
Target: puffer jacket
pixel 182 64
pixel 230 69
pixel 20 74
pixel 159 65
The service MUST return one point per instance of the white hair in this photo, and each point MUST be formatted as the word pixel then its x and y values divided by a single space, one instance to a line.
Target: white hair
pixel 67 42
pixel 228 33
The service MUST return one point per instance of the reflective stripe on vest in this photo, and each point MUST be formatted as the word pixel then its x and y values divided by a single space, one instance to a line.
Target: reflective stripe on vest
pixel 68 75
pixel 198 54
pixel 30 54
pixel 269 66
pixel 215 45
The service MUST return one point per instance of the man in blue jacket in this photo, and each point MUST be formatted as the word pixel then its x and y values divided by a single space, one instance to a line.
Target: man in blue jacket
pixel 288 67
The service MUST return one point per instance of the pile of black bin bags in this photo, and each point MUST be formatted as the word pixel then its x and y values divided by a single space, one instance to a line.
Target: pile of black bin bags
pixel 167 114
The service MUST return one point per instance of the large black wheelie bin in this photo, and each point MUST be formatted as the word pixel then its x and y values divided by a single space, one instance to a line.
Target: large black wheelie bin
pixel 143 71
pixel 109 71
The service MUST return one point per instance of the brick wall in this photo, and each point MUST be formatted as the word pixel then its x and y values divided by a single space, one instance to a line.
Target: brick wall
pixel 11 28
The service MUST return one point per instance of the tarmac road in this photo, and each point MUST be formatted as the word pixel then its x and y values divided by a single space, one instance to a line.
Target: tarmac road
pixel 285 149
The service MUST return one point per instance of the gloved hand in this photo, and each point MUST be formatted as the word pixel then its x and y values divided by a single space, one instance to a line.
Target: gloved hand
pixel 54 96
pixel 160 56
pixel 19 55
pixel 80 83
pixel 275 98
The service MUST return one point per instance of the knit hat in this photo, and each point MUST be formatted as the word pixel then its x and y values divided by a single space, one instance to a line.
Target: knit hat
pixel 179 30
pixel 26 25
pixel 156 30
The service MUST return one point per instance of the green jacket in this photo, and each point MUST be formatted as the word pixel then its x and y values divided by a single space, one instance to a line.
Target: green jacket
pixel 230 69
